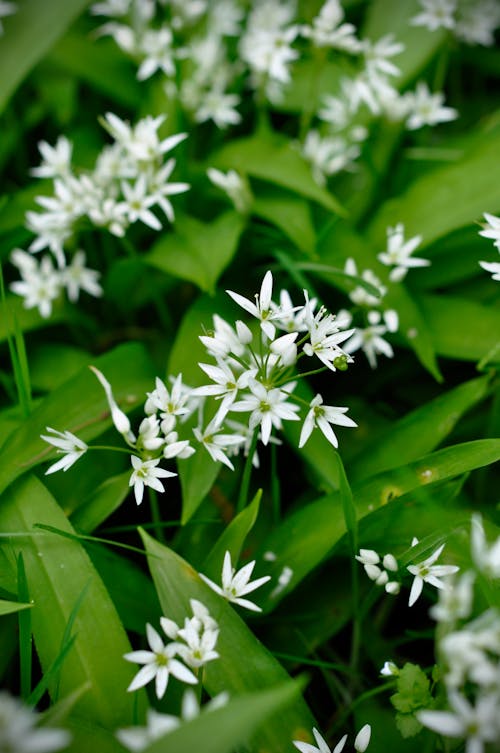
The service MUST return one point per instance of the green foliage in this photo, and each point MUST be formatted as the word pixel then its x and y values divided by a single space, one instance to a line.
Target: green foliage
pixel 413 693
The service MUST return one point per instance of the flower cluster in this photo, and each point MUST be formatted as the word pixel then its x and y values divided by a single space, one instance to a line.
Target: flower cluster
pixel 129 180
pixel 361 742
pixel 473 23
pixel 491 230
pixel 378 320
pixel 194 643
pixel 19 730
pixel 380 570
pixel 469 647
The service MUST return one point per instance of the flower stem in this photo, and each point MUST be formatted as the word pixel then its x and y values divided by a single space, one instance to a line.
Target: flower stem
pixel 247 471
pixel 155 515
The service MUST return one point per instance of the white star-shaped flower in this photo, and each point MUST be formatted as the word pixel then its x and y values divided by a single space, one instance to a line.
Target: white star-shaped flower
pixel 322 416
pixel 66 443
pixel 237 584
pixel 146 473
pixel 428 572
pixel 262 308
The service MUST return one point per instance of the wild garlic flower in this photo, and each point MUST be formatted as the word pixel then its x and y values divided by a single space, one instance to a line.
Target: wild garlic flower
pixel 327 29
pixel 436 14
pixel 19 730
pixel 322 416
pixel 427 572
pixel 158 664
pixel 146 473
pixel 398 253
pixel 361 742
pixel 371 338
pixel 425 108
pixel 478 723
pixel 235 585
pixel 491 229
pixel 379 569
pixel 485 557
pixel 68 444
pixel 40 284
pixel 234 185
pixel 217 443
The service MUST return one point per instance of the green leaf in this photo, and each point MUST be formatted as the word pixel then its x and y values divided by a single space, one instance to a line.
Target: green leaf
pixel 460 192
pixel 69 361
pixel 290 214
pixel 272 157
pixel 232 539
pixel 198 251
pixel 420 431
pixel 80 405
pixel 59 574
pixel 224 729
pixel 28 319
pixel 245 665
pixel 8 607
pixel 105 500
pixel 461 328
pixel 28 36
pixel 306 537
pixel 197 475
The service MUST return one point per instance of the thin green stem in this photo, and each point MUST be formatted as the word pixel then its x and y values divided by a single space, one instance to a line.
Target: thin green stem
pixel 247 472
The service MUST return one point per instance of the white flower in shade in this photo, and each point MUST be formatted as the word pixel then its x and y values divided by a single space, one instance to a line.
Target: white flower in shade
pixel 19 733
pixel 325 335
pixel 389 669
pixel 321 416
pixel 455 602
pixel 76 276
pixel 477 22
pixel 328 155
pixel 171 402
pixel 119 418
pixel 70 446
pixel 159 188
pixel 398 253
pixel 156 45
pixel 217 444
pixel 233 185
pixel 220 107
pixel 327 29
pixel 225 387
pixel 426 108
pixel 485 557
pixel 370 339
pixel 268 407
pixel 436 14
pixel 146 473
pixel 428 572
pixel 40 284
pixel 157 725
pixel 223 340
pixel 262 308
pixel 362 739
pixel 359 295
pixel 56 160
pixel 138 201
pixel 237 584
pixel 159 663
pixel 477 724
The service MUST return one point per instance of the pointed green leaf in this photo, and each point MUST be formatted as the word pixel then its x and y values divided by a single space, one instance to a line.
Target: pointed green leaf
pixel 290 214
pixel 198 251
pixel 105 499
pixel 59 573
pixel 245 665
pixel 222 730
pixel 8 607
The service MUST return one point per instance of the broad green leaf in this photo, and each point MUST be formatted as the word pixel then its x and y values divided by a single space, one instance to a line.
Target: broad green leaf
pixel 418 432
pixel 8 607
pixel 305 538
pixel 460 192
pixel 198 251
pixel 197 476
pixel 273 158
pixel 105 499
pixel 232 539
pixel 79 406
pixel 245 665
pixel 222 730
pixel 290 214
pixel 88 736
pixel 59 573
pixel 80 55
pixel 69 361
pixel 461 328
pixel 29 34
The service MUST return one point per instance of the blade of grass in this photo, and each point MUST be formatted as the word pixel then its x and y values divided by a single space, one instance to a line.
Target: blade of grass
pixel 25 640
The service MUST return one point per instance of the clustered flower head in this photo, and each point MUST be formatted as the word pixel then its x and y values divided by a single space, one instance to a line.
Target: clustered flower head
pixel 130 179
pixel 194 644
pixel 469 648
pixel 361 742
pixel 470 22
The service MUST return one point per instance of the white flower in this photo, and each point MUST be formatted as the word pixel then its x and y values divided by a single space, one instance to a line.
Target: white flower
pixel 237 584
pixel 360 296
pixel 66 442
pixel 436 14
pixel 156 45
pixel 40 284
pixel 455 602
pixel 428 572
pixel 328 155
pixel 477 724
pixel 200 634
pixel 268 407
pixel 138 201
pixel 217 444
pixel 233 185
pixel 220 107
pixel 76 276
pixel 493 268
pixel 169 402
pixel 491 229
pixel 389 669
pixel 262 308
pixel 370 339
pixel 362 739
pixel 325 335
pixel 322 416
pixel 426 108
pixel 486 558
pixel 157 725
pixel 56 159
pixel 226 385
pixel 18 730
pixel 159 188
pixel 477 22
pixel 327 29
pixel 398 253
pixel 159 663
pixel 146 473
